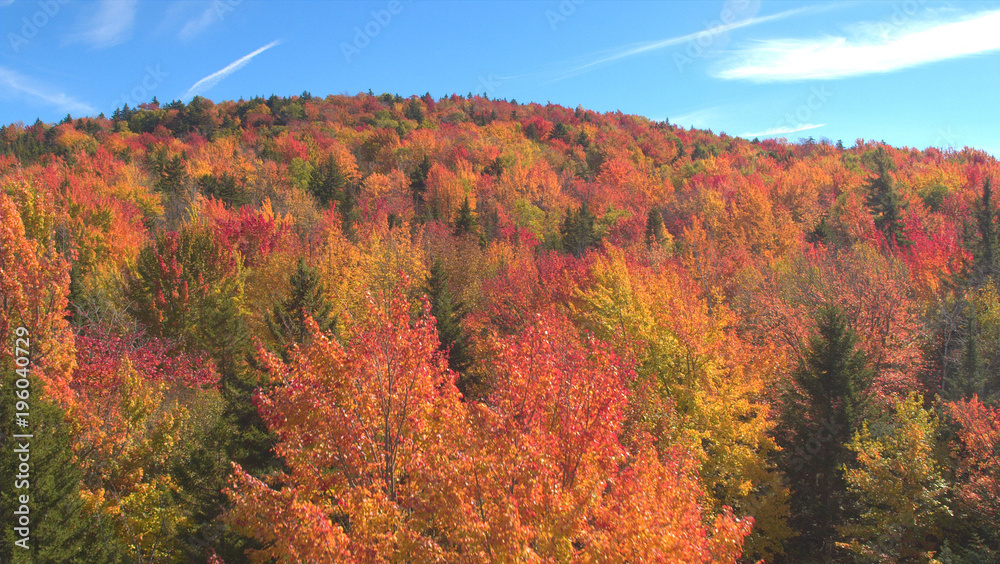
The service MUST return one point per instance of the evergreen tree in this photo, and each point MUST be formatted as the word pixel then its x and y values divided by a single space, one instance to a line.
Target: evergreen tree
pixel 61 530
pixel 985 243
pixel 287 319
pixel 418 183
pixel 822 416
pixel 448 312
pixel 577 231
pixel 466 222
pixel 654 227
pixel 172 173
pixel 884 200
pixel 414 111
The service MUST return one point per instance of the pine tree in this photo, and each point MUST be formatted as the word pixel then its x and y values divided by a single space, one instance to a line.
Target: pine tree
pixel 577 231
pixel 448 311
pixel 985 243
pixel 418 183
pixel 465 221
pixel 654 227
pixel 61 530
pixel 884 201
pixel 328 184
pixel 287 321
pixel 822 416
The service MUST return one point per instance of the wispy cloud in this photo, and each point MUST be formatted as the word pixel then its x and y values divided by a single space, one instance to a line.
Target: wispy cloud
pixel 783 130
pixel 699 119
pixel 872 51
pixel 211 80
pixel 110 24
pixel 20 85
pixel 646 47
pixel 213 13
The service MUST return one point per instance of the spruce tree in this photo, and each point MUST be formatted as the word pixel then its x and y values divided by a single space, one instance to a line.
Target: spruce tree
pixel 465 221
pixel 61 530
pixel 418 183
pixel 287 321
pixel 577 231
pixel 654 227
pixel 823 412
pixel 984 243
pixel 448 312
pixel 884 201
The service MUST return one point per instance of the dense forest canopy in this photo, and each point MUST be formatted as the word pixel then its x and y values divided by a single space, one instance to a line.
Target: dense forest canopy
pixel 385 329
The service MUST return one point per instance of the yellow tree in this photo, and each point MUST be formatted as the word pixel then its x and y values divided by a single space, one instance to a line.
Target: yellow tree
pixel 900 485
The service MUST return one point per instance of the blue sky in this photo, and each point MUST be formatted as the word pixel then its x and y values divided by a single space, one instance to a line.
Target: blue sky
pixel 914 73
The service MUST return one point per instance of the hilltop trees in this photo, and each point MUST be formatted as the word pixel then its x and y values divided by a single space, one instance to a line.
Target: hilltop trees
pixel 472 330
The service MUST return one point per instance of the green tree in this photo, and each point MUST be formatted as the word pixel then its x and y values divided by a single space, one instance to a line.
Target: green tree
pixel 448 312
pixel 287 320
pixel 822 414
pixel 418 183
pixel 884 200
pixel 329 184
pixel 61 529
pixel 577 231
pixel 984 242
pixel 899 486
pixel 465 221
pixel 654 227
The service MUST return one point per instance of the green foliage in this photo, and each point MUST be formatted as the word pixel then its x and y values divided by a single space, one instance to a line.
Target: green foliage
pixel 578 233
pixel 984 241
pixel 287 320
pixel 224 187
pixel 898 485
pixel 654 227
pixel 822 412
pixel 418 182
pixel 61 528
pixel 448 312
pixel 884 200
pixel 329 184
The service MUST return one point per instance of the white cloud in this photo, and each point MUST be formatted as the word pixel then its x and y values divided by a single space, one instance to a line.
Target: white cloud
pixel 783 130
pixel 5 3
pixel 213 13
pixel 110 24
pixel 15 83
pixel 639 48
pixel 874 50
pixel 699 119
pixel 211 80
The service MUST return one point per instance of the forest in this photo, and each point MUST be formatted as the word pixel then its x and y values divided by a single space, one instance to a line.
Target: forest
pixel 376 328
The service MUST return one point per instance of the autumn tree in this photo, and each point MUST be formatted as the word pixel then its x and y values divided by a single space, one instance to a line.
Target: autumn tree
pixel 355 427
pixel 977 480
pixel 898 482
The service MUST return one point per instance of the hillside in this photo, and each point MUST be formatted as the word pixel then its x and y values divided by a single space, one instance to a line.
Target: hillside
pixel 375 328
